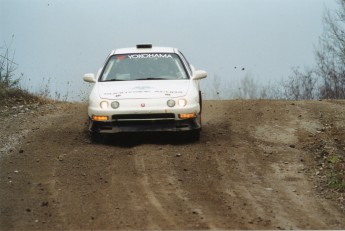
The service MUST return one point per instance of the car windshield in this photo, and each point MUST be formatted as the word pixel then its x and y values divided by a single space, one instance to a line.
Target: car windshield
pixel 150 66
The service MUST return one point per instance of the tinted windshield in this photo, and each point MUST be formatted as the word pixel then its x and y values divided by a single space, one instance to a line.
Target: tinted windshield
pixel 152 66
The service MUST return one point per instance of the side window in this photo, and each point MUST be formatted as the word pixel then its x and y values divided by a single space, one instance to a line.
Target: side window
pixel 186 63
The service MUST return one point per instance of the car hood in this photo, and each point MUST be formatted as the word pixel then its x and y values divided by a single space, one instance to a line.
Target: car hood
pixel 143 89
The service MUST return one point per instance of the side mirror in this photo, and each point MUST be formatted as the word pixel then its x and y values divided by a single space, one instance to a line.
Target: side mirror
pixel 199 75
pixel 90 78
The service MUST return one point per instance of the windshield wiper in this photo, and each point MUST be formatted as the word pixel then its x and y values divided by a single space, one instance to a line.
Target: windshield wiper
pixel 109 80
pixel 150 79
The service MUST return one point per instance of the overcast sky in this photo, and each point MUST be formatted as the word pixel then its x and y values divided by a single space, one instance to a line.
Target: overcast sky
pixel 61 40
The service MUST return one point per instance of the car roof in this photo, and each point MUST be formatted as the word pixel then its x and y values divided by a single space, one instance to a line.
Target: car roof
pixel 136 50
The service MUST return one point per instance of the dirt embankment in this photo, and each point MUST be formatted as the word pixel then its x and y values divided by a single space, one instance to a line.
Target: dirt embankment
pixel 258 165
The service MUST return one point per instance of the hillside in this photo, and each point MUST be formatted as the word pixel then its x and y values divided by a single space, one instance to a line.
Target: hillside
pixel 260 164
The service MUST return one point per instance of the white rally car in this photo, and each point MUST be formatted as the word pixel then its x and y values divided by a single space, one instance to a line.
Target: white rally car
pixel 145 88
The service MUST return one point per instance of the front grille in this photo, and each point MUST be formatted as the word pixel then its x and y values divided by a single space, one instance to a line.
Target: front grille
pixel 158 116
pixel 135 123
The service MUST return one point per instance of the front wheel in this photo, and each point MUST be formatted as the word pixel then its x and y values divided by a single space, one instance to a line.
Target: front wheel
pixel 95 137
pixel 200 104
pixel 193 135
pixel 99 138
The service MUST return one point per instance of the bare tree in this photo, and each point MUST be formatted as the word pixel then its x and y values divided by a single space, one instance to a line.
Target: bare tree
pixel 330 55
pixel 247 88
pixel 7 68
pixel 271 91
pixel 301 85
pixel 217 89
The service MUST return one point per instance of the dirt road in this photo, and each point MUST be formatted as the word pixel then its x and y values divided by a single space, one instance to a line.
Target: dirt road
pixel 255 167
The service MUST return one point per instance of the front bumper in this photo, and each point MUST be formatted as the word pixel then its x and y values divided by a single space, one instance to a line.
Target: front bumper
pixel 144 125
pixel 154 115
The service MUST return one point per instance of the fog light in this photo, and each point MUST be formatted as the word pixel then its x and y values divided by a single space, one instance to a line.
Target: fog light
pixel 100 118
pixel 115 104
pixel 187 116
pixel 171 103
pixel 182 102
pixel 104 104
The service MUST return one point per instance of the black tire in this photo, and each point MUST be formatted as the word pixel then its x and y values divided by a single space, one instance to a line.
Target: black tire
pixel 98 138
pixel 193 135
pixel 95 137
pixel 200 115
pixel 200 102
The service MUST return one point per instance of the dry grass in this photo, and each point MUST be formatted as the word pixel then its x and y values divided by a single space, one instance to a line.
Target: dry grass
pixel 11 96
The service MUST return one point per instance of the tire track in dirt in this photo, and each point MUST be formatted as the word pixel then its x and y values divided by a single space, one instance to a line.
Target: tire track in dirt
pixel 240 175
pixel 149 193
pixel 280 186
pixel 163 188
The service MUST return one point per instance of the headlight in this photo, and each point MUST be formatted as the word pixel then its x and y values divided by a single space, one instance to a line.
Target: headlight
pixel 115 104
pixel 171 103
pixel 104 104
pixel 182 102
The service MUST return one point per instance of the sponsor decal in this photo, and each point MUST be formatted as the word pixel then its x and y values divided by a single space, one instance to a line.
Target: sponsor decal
pixel 169 92
pixel 125 92
pixel 142 87
pixel 147 56
pixel 142 91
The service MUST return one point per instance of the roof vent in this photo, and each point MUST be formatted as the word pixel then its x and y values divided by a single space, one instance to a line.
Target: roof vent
pixel 143 46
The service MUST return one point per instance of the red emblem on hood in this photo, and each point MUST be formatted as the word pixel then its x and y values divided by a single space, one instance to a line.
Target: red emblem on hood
pixel 142 105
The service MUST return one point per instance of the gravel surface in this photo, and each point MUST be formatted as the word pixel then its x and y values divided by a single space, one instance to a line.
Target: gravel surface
pixel 259 165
